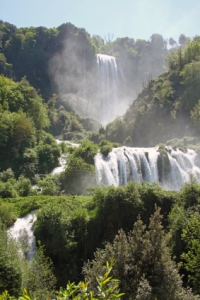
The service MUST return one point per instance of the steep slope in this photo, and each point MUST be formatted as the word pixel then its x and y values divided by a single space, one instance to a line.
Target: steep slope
pixel 167 107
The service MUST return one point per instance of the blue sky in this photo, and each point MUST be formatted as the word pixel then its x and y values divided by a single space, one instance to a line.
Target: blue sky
pixel 120 18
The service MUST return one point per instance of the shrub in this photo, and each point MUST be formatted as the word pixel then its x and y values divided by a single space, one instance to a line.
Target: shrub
pixel 87 150
pixel 105 147
pixel 50 185
pixel 23 186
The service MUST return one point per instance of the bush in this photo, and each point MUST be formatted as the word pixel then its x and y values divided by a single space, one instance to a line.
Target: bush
pixel 50 185
pixel 87 151
pixel 7 189
pixel 48 155
pixel 78 176
pixel 10 275
pixel 105 147
pixel 108 288
pixel 23 186
pixel 7 216
pixel 6 175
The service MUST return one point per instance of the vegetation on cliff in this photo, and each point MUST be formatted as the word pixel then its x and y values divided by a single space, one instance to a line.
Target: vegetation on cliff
pixel 168 107
pixel 155 256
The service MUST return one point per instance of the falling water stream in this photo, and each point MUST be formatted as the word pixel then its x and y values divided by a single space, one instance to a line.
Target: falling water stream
pixel 110 81
pixel 22 231
pixel 124 164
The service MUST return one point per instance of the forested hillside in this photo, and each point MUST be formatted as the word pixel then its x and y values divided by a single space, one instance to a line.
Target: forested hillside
pixel 146 237
pixel 37 59
pixel 43 55
pixel 168 107
pixel 25 146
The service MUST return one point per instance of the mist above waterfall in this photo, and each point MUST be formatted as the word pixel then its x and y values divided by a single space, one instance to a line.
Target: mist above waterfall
pixel 93 85
pixel 104 85
pixel 71 72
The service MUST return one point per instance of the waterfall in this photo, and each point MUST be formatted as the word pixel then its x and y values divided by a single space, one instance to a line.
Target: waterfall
pixel 22 231
pixel 63 159
pixel 62 165
pixel 171 168
pixel 110 81
pixel 67 143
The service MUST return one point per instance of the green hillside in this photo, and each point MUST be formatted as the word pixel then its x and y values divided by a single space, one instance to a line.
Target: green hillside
pixel 146 237
pixel 168 106
pixel 122 220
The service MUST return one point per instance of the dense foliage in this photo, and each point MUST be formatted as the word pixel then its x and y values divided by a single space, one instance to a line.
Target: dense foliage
pixel 17 273
pixel 143 263
pixel 143 253
pixel 156 257
pixel 108 288
pixel 27 51
pixel 62 60
pixel 25 146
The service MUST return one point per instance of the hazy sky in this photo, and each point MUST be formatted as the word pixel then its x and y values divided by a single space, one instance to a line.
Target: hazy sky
pixel 121 18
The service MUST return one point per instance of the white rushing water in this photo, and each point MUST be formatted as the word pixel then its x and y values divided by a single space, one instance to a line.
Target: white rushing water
pixel 22 231
pixel 124 164
pixel 110 80
pixel 63 159
pixel 68 143
pixel 62 165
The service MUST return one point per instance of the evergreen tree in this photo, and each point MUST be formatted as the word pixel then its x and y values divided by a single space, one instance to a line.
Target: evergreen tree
pixel 142 263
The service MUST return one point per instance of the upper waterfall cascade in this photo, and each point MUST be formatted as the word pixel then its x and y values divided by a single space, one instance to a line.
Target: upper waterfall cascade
pixel 172 169
pixel 110 82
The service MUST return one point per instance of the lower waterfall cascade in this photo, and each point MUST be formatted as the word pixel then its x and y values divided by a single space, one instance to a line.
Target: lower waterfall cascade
pixel 171 168
pixel 23 229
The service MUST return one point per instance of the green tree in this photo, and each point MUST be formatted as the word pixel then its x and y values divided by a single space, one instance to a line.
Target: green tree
pixel 191 255
pixel 50 185
pixel 78 176
pixel 7 215
pixel 10 275
pixel 38 277
pixel 172 42
pixel 54 231
pixel 182 40
pixel 87 151
pixel 143 263
pixel 195 114
pixel 23 186
pixel 48 153
pixel 98 43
